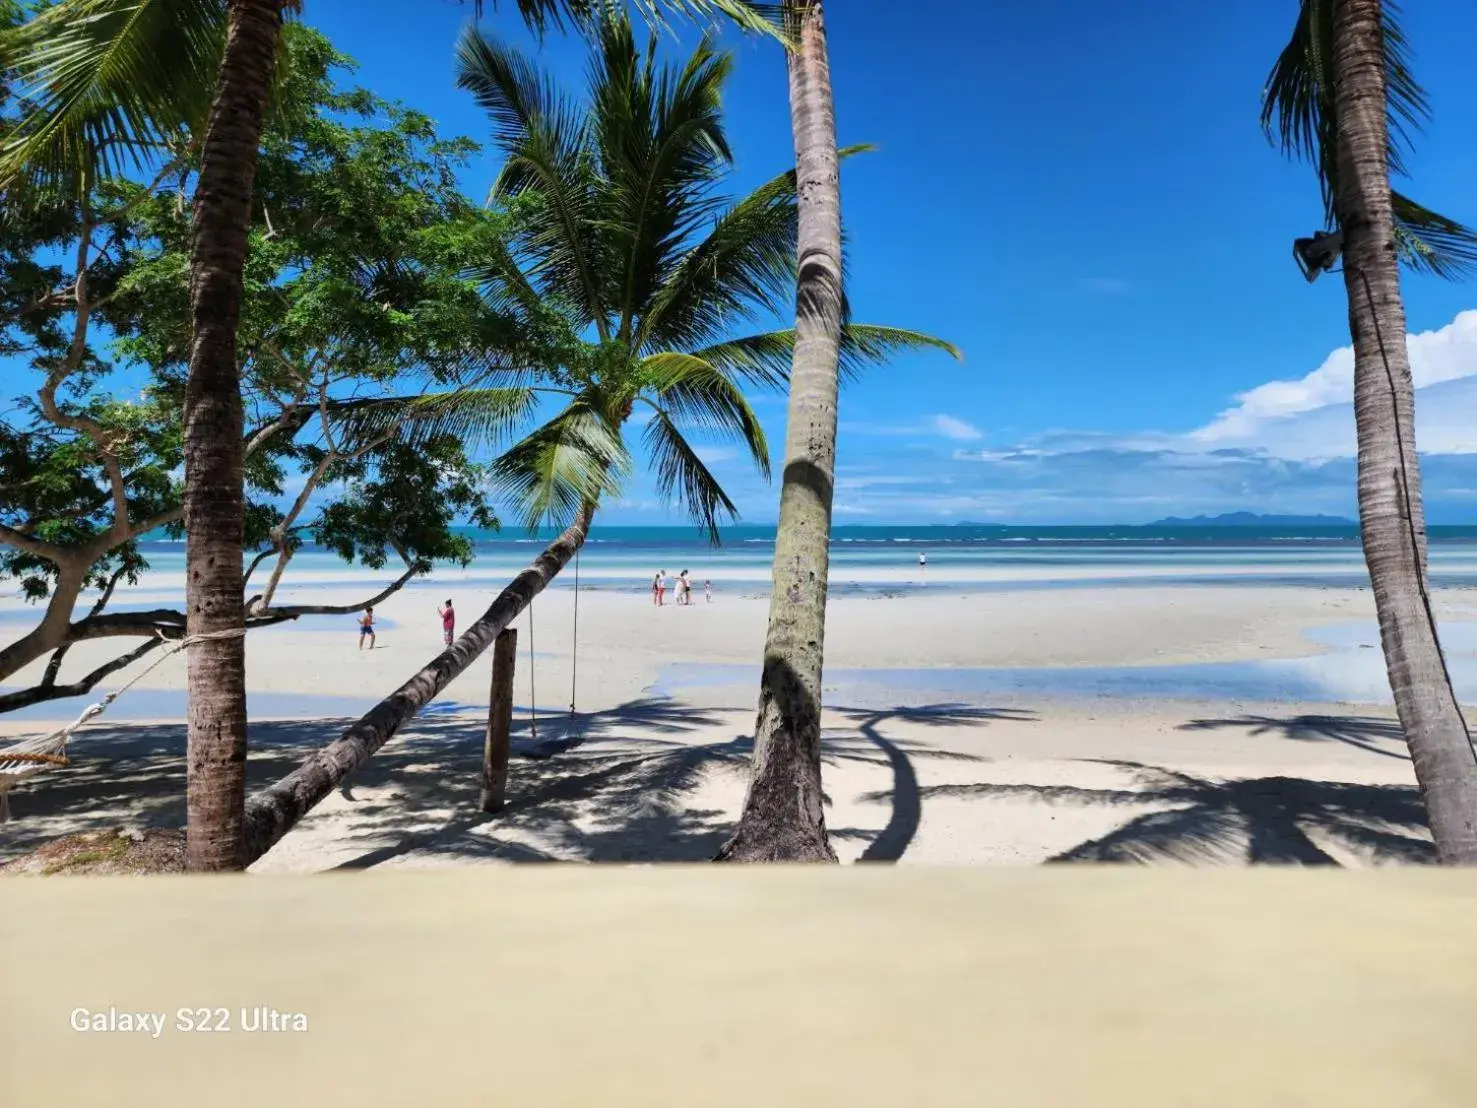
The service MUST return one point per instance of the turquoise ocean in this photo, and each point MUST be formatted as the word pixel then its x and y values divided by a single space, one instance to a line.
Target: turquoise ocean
pixel 883 561
pixel 874 558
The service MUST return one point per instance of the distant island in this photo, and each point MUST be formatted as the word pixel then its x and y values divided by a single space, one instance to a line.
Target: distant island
pixel 1252 519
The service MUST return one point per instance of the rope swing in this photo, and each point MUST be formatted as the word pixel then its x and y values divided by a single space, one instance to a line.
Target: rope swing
pixel 532 692
pixel 574 640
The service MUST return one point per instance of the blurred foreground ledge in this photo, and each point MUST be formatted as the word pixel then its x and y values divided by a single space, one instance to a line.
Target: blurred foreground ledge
pixel 703 986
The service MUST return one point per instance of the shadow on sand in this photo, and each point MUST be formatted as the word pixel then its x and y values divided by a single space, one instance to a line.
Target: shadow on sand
pixel 1366 733
pixel 627 785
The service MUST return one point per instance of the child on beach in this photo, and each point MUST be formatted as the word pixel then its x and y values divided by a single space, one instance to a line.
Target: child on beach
pixel 448 622
pixel 366 627
pixel 708 591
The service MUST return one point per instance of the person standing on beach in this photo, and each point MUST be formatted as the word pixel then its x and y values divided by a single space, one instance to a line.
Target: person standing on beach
pixel 684 588
pixel 366 627
pixel 708 591
pixel 448 622
pixel 656 589
pixel 922 561
pixel 661 587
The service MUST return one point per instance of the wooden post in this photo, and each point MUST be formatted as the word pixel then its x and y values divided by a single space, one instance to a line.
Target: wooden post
pixel 499 723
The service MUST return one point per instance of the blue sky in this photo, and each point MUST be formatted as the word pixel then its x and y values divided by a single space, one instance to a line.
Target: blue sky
pixel 1078 195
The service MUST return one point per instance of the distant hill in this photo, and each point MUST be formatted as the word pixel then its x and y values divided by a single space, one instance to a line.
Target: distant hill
pixel 1252 519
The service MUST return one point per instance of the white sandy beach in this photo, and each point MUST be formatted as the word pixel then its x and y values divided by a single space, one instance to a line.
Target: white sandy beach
pixel 652 764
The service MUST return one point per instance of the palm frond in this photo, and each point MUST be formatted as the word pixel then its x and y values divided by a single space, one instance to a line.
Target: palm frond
pixel 743 268
pixel 764 360
pixel 682 475
pixel 698 394
pixel 113 83
pixel 545 139
pixel 1298 104
pixel 661 147
pixel 575 459
pixel 486 417
pixel 766 19
pixel 1431 243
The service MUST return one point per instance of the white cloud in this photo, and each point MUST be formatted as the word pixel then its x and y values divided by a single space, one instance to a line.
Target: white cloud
pixel 1435 356
pixel 951 427
pixel 1107 286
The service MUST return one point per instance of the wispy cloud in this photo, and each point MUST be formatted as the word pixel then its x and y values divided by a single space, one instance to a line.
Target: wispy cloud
pixel 1107 286
pixel 952 427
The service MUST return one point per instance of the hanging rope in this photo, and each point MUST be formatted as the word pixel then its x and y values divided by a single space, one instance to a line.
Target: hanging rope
pixel 532 692
pixel 30 756
pixel 574 646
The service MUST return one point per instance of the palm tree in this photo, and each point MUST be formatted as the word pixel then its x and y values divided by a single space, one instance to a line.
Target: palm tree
pixel 125 77
pixel 634 270
pixel 782 817
pixel 1342 95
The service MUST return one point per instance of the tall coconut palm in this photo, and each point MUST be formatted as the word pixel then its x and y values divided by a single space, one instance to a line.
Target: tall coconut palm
pixel 127 76
pixel 1342 94
pixel 636 271
pixel 783 819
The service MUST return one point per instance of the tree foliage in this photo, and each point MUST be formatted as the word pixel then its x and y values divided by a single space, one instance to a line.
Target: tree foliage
pixel 356 292
pixel 636 270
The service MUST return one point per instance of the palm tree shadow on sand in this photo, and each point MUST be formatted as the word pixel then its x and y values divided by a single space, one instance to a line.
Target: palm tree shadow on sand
pixel 1262 820
pixel 1361 732
pixel 622 785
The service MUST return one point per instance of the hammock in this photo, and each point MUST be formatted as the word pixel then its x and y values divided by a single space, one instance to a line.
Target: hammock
pixel 23 760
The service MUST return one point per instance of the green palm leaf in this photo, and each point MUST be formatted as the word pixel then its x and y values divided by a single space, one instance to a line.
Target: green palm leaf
pixel 486 417
pixel 113 82
pixel 764 360
pixel 1431 243
pixel 577 458
pixel 544 137
pixel 540 14
pixel 745 266
pixel 698 394
pixel 681 474
pixel 660 145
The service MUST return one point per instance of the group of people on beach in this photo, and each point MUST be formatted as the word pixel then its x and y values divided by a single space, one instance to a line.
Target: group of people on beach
pixel 682 585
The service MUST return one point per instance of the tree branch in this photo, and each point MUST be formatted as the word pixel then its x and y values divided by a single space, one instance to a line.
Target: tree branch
pixel 37 694
pixel 258 560
pixel 9 536
pixel 53 667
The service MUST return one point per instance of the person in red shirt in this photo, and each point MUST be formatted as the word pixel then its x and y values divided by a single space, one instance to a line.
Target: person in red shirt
pixel 448 622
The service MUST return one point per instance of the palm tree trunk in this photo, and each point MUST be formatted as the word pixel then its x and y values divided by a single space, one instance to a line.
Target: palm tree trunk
pixel 275 810
pixel 214 454
pixel 1390 511
pixel 783 819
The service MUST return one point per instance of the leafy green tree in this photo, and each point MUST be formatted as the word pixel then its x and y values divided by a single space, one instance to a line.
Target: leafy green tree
pixel 637 273
pixel 354 292
pixel 132 76
pixel 1343 96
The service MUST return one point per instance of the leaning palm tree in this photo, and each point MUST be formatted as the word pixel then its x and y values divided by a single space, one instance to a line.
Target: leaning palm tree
pixel 635 271
pixel 123 79
pixel 1342 95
